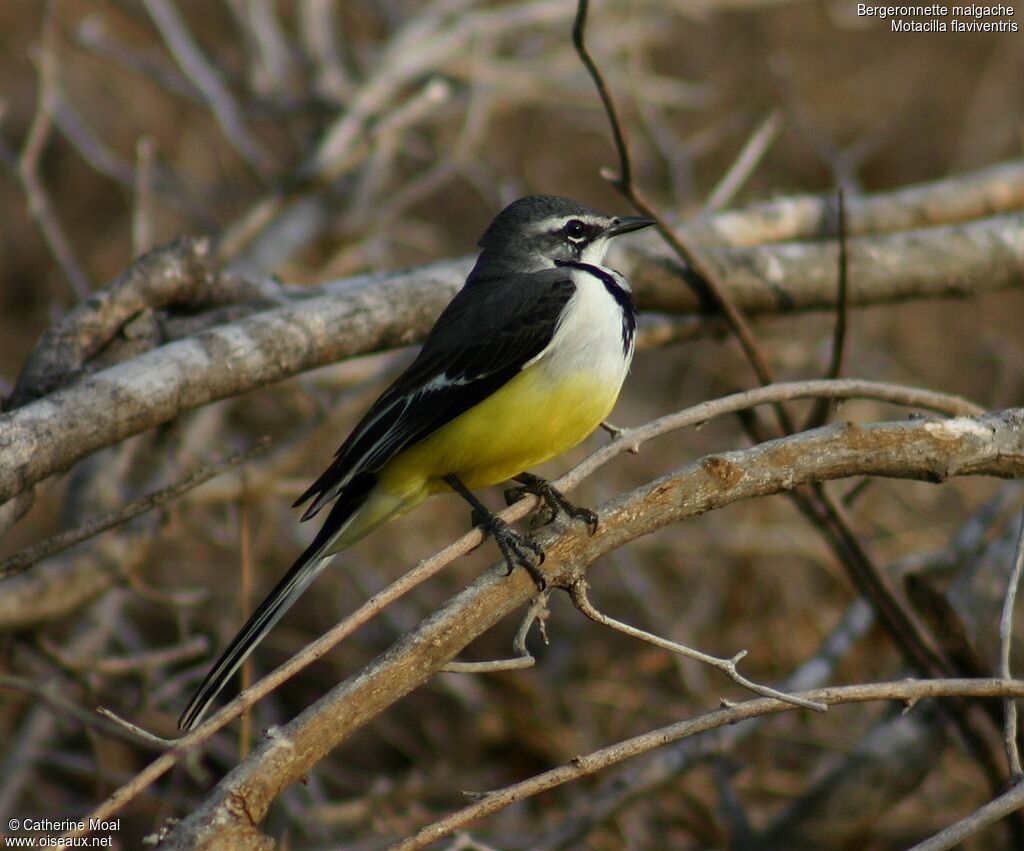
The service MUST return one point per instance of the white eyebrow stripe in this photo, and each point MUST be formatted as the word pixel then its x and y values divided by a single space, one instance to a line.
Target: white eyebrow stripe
pixel 553 223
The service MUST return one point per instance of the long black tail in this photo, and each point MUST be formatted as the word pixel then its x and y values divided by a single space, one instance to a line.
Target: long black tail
pixel 305 569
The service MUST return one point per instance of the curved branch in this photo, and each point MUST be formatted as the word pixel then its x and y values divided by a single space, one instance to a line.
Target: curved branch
pixel 55 589
pixel 906 691
pixel 178 273
pixel 988 445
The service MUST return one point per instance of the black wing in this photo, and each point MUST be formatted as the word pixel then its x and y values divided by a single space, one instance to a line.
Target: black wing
pixel 481 340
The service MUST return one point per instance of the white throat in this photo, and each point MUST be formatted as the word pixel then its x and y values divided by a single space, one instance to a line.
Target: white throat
pixel 594 253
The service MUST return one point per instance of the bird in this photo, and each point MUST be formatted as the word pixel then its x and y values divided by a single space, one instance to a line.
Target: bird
pixel 523 364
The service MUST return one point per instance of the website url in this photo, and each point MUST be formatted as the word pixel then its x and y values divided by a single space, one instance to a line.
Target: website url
pixel 57 842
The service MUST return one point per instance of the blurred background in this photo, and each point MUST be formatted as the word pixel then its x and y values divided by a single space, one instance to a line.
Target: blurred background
pixel 394 131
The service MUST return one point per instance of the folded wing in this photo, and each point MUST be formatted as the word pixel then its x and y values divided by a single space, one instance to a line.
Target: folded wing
pixel 478 344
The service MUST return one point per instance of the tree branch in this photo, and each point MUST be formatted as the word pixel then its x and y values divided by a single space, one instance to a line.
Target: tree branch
pixel 359 315
pixel 989 445
pixel 906 691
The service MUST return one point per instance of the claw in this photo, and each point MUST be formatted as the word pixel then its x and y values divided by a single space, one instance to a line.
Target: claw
pixel 517 549
pixel 554 500
pixel 545 514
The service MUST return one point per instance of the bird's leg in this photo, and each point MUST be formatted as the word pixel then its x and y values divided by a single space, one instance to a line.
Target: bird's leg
pixel 554 499
pixel 516 548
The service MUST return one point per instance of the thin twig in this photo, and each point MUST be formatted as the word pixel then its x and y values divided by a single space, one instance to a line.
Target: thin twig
pixel 152 739
pixel 25 558
pixel 579 29
pixel 142 201
pixel 318 27
pixel 746 161
pixel 623 181
pixel 819 412
pixel 906 691
pixel 1005 642
pixel 47 694
pixel 27 165
pixel 523 658
pixel 630 439
pixel 578 593
pixel 956 833
pixel 208 80
pixel 514 663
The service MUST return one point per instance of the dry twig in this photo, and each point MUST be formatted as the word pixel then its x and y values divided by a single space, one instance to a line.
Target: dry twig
pixel 1010 731
pixel 24 559
pixel 578 593
pixel 906 691
pixel 990 444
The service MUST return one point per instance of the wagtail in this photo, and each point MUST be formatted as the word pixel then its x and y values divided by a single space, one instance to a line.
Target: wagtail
pixel 524 363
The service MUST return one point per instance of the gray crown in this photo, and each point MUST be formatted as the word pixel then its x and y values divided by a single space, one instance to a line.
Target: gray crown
pixel 518 218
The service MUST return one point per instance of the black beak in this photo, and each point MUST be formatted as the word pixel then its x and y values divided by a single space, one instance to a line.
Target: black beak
pixel 628 224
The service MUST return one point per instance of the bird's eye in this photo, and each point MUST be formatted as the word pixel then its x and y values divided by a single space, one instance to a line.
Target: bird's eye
pixel 575 230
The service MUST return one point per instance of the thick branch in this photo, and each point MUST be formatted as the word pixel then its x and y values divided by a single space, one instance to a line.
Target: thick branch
pixel 357 316
pixel 985 192
pixel 932 451
pixel 52 433
pixel 950 261
pixel 176 273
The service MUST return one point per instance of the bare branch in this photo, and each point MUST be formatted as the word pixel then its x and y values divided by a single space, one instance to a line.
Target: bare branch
pixel 578 592
pixel 176 273
pixel 104 408
pixel 207 79
pixel 819 413
pixel 991 445
pixel 746 162
pixel 26 166
pixel 907 691
pixel 961 198
pixel 51 696
pixel 953 835
pixel 319 28
pixel 537 612
pixel 25 558
pixel 955 261
pixel 1010 731
pixel 142 202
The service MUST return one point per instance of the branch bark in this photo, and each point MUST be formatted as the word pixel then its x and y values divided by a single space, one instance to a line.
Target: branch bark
pixel 360 315
pixel 961 198
pixel 933 451
pixel 958 260
pixel 373 313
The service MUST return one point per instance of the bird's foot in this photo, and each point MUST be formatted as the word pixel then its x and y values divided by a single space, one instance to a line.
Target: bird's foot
pixel 517 549
pixel 554 500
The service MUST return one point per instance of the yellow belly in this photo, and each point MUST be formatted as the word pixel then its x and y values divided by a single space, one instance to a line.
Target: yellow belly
pixel 527 422
pixel 530 420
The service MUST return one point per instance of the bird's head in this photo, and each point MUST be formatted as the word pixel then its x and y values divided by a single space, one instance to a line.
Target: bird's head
pixel 535 232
